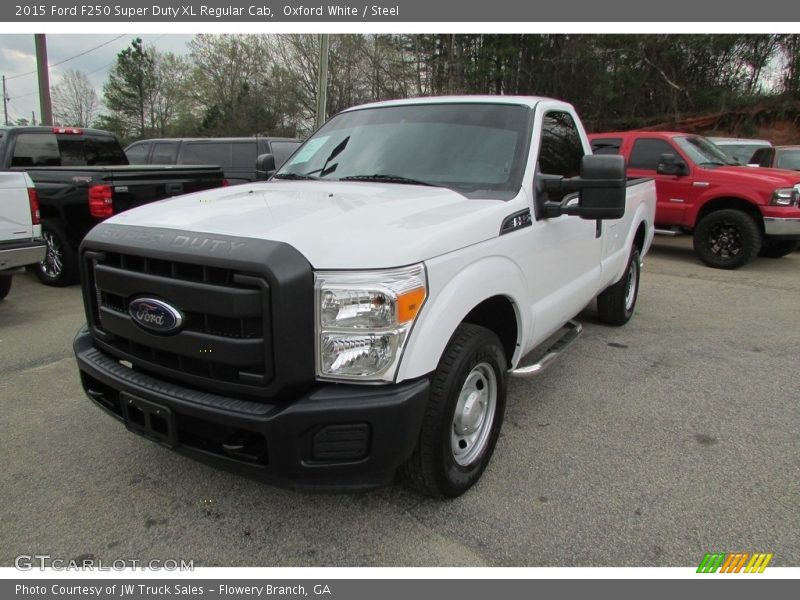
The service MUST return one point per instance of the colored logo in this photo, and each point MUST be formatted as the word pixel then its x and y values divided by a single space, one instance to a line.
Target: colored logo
pixel 734 562
pixel 155 315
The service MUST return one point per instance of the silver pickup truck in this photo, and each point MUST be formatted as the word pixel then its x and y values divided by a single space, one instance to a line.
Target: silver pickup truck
pixel 20 230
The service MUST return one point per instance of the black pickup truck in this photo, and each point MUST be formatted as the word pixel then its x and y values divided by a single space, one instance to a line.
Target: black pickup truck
pixel 82 177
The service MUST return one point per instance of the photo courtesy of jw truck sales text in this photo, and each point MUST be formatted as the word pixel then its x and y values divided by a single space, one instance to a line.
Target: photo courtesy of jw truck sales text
pixel 241 337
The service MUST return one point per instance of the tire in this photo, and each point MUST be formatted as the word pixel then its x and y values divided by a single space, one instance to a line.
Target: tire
pixel 60 264
pixel 777 248
pixel 727 239
pixel 5 285
pixel 463 417
pixel 616 304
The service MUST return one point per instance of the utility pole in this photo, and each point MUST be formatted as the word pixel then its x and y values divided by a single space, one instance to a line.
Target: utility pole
pixel 322 78
pixel 5 102
pixel 46 108
pixel 33 118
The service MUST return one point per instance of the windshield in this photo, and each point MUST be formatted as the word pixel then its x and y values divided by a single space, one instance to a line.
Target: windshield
pixel 478 150
pixel 703 152
pixel 788 159
pixel 741 153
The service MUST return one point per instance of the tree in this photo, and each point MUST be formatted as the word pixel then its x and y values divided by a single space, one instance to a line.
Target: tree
pixel 130 87
pixel 169 97
pixel 75 102
pixel 790 47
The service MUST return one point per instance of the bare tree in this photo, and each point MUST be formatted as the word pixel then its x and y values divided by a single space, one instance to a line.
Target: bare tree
pixel 75 102
pixel 168 96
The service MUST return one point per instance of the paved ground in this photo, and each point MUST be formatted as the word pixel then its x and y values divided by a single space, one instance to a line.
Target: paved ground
pixel 646 446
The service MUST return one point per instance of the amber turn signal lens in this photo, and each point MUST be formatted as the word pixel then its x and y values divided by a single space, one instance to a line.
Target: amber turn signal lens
pixel 409 303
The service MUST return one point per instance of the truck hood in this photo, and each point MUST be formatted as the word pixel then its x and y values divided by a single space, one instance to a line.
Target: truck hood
pixel 772 178
pixel 335 225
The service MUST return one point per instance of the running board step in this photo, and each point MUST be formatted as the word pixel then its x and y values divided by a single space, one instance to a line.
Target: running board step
pixel 669 232
pixel 571 332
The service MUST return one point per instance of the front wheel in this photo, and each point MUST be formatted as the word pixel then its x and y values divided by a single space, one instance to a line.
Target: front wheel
pixel 463 417
pixel 60 264
pixel 615 305
pixel 777 248
pixel 727 239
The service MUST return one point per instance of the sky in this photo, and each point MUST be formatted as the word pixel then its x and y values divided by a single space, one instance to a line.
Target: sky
pixel 18 56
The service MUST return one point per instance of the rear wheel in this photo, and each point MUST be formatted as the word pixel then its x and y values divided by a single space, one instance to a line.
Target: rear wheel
pixel 463 417
pixel 777 248
pixel 727 239
pixel 5 285
pixel 59 267
pixel 615 305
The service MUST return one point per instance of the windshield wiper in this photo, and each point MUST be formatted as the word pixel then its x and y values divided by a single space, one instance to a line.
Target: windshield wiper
pixel 293 176
pixel 714 164
pixel 326 170
pixel 385 177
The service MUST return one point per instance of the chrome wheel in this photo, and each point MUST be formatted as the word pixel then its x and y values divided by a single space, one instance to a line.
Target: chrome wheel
pixel 53 263
pixel 474 415
pixel 631 284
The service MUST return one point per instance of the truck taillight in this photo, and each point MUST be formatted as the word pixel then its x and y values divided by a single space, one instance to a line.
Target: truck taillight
pixel 70 130
pixel 101 201
pixel 225 183
pixel 33 201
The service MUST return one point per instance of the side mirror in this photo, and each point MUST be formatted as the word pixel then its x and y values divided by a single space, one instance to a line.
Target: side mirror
pixel 669 164
pixel 265 166
pixel 601 189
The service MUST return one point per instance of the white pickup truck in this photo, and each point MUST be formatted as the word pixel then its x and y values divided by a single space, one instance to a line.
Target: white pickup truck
pixel 20 229
pixel 361 312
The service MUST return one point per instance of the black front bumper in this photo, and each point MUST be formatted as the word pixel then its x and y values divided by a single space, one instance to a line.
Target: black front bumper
pixel 335 436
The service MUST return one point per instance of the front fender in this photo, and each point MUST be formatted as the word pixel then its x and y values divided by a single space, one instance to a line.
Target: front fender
pixel 456 286
pixel 721 193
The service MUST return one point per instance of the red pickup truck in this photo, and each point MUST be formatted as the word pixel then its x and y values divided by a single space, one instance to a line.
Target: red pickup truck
pixel 734 212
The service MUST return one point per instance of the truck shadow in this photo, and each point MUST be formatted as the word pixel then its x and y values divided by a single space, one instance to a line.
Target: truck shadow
pixel 673 248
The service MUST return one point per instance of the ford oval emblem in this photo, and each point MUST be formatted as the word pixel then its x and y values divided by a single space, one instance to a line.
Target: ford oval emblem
pixel 155 315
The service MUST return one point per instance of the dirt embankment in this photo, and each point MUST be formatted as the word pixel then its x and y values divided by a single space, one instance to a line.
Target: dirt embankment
pixel 779 124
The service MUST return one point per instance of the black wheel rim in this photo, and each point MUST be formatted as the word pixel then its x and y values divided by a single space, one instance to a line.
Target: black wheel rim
pixel 725 240
pixel 53 263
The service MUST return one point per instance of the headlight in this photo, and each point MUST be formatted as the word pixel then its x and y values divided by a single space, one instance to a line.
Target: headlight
pixel 785 197
pixel 363 319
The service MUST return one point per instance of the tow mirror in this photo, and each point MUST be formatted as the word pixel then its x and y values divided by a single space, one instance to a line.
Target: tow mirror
pixel 601 189
pixel 669 164
pixel 265 166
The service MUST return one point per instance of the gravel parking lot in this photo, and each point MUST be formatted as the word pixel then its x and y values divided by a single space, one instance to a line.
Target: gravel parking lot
pixel 647 445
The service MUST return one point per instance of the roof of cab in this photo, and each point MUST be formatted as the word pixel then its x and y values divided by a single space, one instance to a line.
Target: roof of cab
pixel 530 101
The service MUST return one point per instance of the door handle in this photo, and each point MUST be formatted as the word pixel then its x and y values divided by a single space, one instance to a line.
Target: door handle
pixel 173 189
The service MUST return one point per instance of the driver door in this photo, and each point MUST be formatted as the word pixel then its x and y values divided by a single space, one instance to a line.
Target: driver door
pixel 673 192
pixel 563 257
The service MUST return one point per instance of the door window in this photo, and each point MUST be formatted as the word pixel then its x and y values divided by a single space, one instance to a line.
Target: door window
pixel 164 153
pixel 646 153
pixel 561 151
pixel 137 154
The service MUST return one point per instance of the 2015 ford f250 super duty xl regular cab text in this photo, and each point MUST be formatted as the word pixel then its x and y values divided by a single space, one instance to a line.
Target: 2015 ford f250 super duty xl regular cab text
pixel 360 312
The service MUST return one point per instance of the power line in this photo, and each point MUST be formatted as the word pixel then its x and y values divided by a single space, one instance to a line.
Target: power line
pixel 70 58
pixel 25 95
pixel 115 60
pixel 101 68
